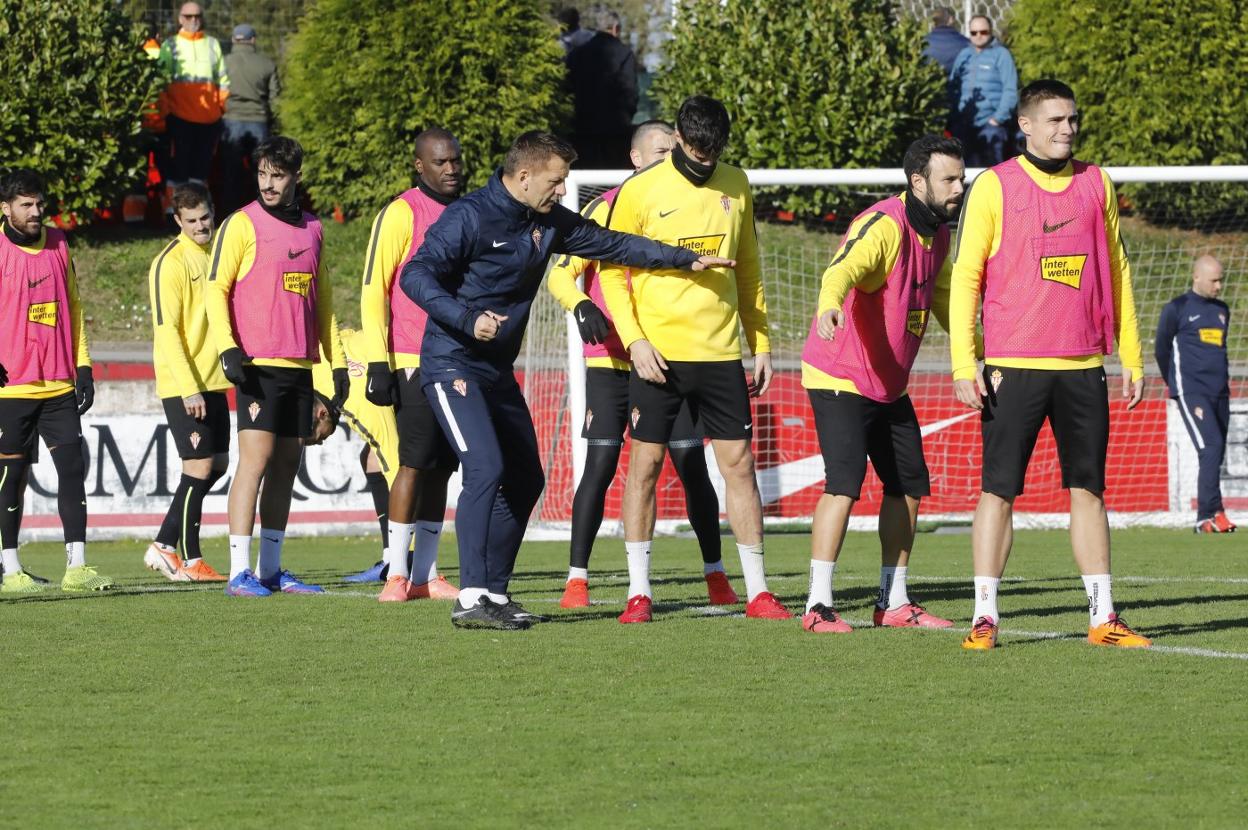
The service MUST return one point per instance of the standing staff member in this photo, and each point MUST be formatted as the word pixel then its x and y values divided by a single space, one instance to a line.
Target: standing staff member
pixel 1191 353
pixel 49 386
pixel 1056 289
pixel 269 311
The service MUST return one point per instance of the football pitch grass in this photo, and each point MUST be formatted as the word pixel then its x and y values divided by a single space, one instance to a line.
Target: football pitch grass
pixel 164 705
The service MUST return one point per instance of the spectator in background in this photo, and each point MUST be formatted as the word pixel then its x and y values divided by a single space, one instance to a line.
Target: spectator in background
pixel 194 100
pixel 248 116
pixel 573 35
pixel 944 41
pixel 983 90
pixel 603 75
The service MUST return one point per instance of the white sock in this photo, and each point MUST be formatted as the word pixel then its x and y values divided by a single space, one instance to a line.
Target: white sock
pixel 1100 598
pixel 400 539
pixel 11 563
pixel 752 568
pixel 709 568
pixel 892 588
pixel 501 599
pixel 469 597
pixel 240 554
pixel 821 575
pixel 578 573
pixel 986 599
pixel 193 561
pixel 638 554
pixel 425 560
pixel 75 554
pixel 269 563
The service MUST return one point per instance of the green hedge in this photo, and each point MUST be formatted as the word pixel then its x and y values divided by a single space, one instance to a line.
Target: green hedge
pixel 74 87
pixel 1156 82
pixel 362 79
pixel 808 83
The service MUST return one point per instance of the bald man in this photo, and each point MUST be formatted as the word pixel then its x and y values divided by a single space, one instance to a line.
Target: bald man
pixel 1191 354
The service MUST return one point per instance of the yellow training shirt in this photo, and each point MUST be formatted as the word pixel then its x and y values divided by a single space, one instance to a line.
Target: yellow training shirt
pixel 185 360
pixel 233 253
pixel 55 388
pixel 979 236
pixel 689 315
pixel 387 250
pixel 374 424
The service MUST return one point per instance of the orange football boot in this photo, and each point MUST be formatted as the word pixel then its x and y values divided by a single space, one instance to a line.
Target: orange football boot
pixel 983 636
pixel 1116 632
pixel 575 594
pixel 201 571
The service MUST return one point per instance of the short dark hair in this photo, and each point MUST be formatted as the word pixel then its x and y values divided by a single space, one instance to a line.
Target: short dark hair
pixel 281 152
pixel 703 123
pixel 569 18
pixel 943 16
pixel 432 134
pixel 536 147
pixel 919 154
pixel 22 182
pixel 1044 89
pixel 190 196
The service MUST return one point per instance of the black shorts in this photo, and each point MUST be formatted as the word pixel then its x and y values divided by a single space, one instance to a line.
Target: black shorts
pixel 422 444
pixel 606 411
pixel 1076 402
pixel 276 399
pixel 852 428
pixel 715 392
pixel 55 420
pixel 199 439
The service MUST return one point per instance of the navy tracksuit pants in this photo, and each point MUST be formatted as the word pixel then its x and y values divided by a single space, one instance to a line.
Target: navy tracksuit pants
pixel 1207 421
pixel 491 430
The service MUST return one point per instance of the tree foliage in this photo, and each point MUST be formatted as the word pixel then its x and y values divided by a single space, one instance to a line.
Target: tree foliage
pixel 362 80
pixel 73 97
pixel 808 83
pixel 1157 83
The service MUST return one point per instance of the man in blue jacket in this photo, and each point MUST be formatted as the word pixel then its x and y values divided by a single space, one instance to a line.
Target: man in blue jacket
pixel 983 91
pixel 944 41
pixel 476 275
pixel 1191 354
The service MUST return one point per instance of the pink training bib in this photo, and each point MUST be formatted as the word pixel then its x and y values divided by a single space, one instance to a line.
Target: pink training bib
pixel 37 337
pixel 407 320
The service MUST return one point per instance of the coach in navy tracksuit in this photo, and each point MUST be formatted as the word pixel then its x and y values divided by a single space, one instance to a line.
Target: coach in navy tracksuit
pixel 1191 353
pixel 476 275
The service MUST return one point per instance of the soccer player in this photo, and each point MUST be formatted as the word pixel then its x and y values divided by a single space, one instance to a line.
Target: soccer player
pixel 1191 352
pixel 682 335
pixel 49 385
pixel 606 411
pixel 476 275
pixel 190 385
pixel 1056 288
pixel 393 326
pixel 269 308
pixel 889 276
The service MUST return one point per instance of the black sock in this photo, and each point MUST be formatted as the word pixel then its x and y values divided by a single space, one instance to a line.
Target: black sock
pixel 171 527
pixel 194 512
pixel 11 472
pixel 700 501
pixel 71 496
pixel 380 491
pixel 601 462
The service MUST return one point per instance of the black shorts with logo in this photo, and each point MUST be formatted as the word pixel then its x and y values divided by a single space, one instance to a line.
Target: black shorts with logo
pixel 422 444
pixel 199 439
pixel 276 399
pixel 714 391
pixel 55 420
pixel 1076 403
pixel 853 428
pixel 606 411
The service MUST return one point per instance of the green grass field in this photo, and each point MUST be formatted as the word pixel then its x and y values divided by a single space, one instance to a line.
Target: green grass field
pixel 174 706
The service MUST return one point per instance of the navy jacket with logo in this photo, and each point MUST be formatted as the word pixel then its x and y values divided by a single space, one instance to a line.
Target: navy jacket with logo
pixel 1191 346
pixel 488 252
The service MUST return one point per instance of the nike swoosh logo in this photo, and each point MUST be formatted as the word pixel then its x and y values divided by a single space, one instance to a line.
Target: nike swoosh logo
pixel 429 530
pixel 271 539
pixel 35 283
pixel 1051 228
pixel 12 509
pixel 1193 319
pixel 663 214
pixel 581 317
pixel 194 279
pixel 370 385
pixel 295 254
pixel 750 424
pixel 498 244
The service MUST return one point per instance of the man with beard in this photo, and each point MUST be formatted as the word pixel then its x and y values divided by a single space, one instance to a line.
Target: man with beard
pixel 889 275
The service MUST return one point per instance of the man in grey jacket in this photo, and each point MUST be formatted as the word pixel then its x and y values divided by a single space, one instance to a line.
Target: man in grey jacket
pixel 248 115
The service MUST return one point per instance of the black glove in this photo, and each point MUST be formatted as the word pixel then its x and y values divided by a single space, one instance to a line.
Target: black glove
pixel 592 322
pixel 84 389
pixel 4 376
pixel 380 388
pixel 232 366
pixel 342 388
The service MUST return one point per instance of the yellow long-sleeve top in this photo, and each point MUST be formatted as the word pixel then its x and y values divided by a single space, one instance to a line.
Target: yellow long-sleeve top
pixel 182 353
pixel 979 237
pixel 698 315
pixel 864 261
pixel 82 356
pixel 388 245
pixel 561 283
pixel 233 253
pixel 374 424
